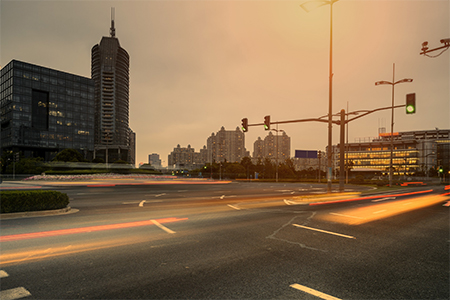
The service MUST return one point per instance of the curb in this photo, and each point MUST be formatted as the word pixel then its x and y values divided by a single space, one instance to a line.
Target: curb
pixel 41 213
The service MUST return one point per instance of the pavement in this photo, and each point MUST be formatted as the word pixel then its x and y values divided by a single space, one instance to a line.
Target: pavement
pixel 47 184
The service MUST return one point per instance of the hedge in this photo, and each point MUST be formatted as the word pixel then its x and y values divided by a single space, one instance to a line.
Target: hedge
pixel 32 200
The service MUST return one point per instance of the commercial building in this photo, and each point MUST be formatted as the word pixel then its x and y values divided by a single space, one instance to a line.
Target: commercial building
pixel 110 72
pixel 44 111
pixel 154 160
pixel 226 145
pixel 414 153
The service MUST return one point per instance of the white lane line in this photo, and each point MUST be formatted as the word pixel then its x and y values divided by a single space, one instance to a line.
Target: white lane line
pixel 312 292
pixel 159 195
pixel 141 204
pixel 235 207
pixel 162 227
pixel 348 216
pixel 382 199
pixel 380 211
pixel 290 202
pixel 3 274
pixel 324 231
pixel 16 293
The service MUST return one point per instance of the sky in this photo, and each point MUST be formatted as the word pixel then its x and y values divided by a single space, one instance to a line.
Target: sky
pixel 196 66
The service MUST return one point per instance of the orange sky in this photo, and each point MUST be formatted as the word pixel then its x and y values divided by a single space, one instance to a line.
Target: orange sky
pixel 196 66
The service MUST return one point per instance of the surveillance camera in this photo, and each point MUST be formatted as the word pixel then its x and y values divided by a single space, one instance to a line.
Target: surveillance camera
pixel 445 41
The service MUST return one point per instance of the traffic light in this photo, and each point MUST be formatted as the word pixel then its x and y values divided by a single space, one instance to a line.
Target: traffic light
pixel 244 124
pixel 411 103
pixel 267 122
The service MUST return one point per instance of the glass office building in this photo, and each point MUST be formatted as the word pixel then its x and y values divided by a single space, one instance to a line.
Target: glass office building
pixel 415 153
pixel 44 111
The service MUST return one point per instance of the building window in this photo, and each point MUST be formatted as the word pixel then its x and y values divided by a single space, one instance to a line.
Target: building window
pixel 39 109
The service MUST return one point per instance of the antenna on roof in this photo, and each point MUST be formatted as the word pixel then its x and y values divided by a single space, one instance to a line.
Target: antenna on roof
pixel 112 30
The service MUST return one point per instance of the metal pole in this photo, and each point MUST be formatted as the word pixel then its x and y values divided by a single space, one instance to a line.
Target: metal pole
pixel 392 129
pixel 330 104
pixel 342 152
pixel 277 156
pixel 346 149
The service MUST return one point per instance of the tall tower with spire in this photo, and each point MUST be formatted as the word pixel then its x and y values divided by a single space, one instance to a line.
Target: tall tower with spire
pixel 110 72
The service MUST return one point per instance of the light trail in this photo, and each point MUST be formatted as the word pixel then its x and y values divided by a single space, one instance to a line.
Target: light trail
pixel 372 197
pixel 361 215
pixel 34 235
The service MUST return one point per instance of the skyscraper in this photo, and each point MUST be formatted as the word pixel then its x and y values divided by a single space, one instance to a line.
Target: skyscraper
pixel 109 69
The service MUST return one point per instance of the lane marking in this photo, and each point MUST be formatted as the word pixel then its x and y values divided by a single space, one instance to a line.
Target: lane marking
pixel 235 207
pixel 16 293
pixel 348 216
pixel 380 211
pixel 141 204
pixel 159 195
pixel 324 231
pixel 383 199
pixel 162 227
pixel 288 202
pixel 313 292
pixel 3 274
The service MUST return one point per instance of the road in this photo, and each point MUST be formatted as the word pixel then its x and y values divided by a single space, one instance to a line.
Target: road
pixel 237 240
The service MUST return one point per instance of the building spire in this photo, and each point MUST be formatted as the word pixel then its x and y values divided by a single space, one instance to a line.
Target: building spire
pixel 112 30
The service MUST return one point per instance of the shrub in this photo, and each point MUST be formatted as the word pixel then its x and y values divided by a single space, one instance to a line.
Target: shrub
pixel 34 200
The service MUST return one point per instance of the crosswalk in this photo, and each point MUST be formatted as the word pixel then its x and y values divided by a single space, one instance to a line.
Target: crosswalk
pixel 12 294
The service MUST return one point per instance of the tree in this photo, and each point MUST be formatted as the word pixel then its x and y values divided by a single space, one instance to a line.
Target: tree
pixel 248 165
pixel 69 155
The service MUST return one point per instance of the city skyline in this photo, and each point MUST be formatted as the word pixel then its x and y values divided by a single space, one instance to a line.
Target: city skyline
pixel 198 66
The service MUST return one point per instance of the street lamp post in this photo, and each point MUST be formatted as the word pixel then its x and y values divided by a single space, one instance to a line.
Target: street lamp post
pixel 308 6
pixel 393 83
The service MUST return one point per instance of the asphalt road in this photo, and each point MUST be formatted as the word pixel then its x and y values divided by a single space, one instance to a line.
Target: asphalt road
pixel 229 241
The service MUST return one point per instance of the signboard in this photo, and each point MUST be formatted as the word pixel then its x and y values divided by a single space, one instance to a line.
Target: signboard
pixel 305 153
pixel 388 134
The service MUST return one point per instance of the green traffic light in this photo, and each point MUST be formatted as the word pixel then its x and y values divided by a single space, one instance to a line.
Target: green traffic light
pixel 410 109
pixel 411 103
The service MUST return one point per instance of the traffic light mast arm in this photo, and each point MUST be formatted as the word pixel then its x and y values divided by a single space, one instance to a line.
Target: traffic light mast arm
pixel 337 122
pixel 366 112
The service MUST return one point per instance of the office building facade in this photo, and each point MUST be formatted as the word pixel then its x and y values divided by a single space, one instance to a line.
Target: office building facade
pixel 414 153
pixel 44 111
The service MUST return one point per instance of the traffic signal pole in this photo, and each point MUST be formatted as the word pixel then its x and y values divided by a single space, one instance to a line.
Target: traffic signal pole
pixel 342 122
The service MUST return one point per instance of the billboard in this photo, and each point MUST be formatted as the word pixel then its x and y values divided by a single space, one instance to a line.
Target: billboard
pixel 305 153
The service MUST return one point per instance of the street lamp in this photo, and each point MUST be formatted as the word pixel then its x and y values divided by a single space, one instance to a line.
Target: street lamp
pixel 393 83
pixel 308 6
